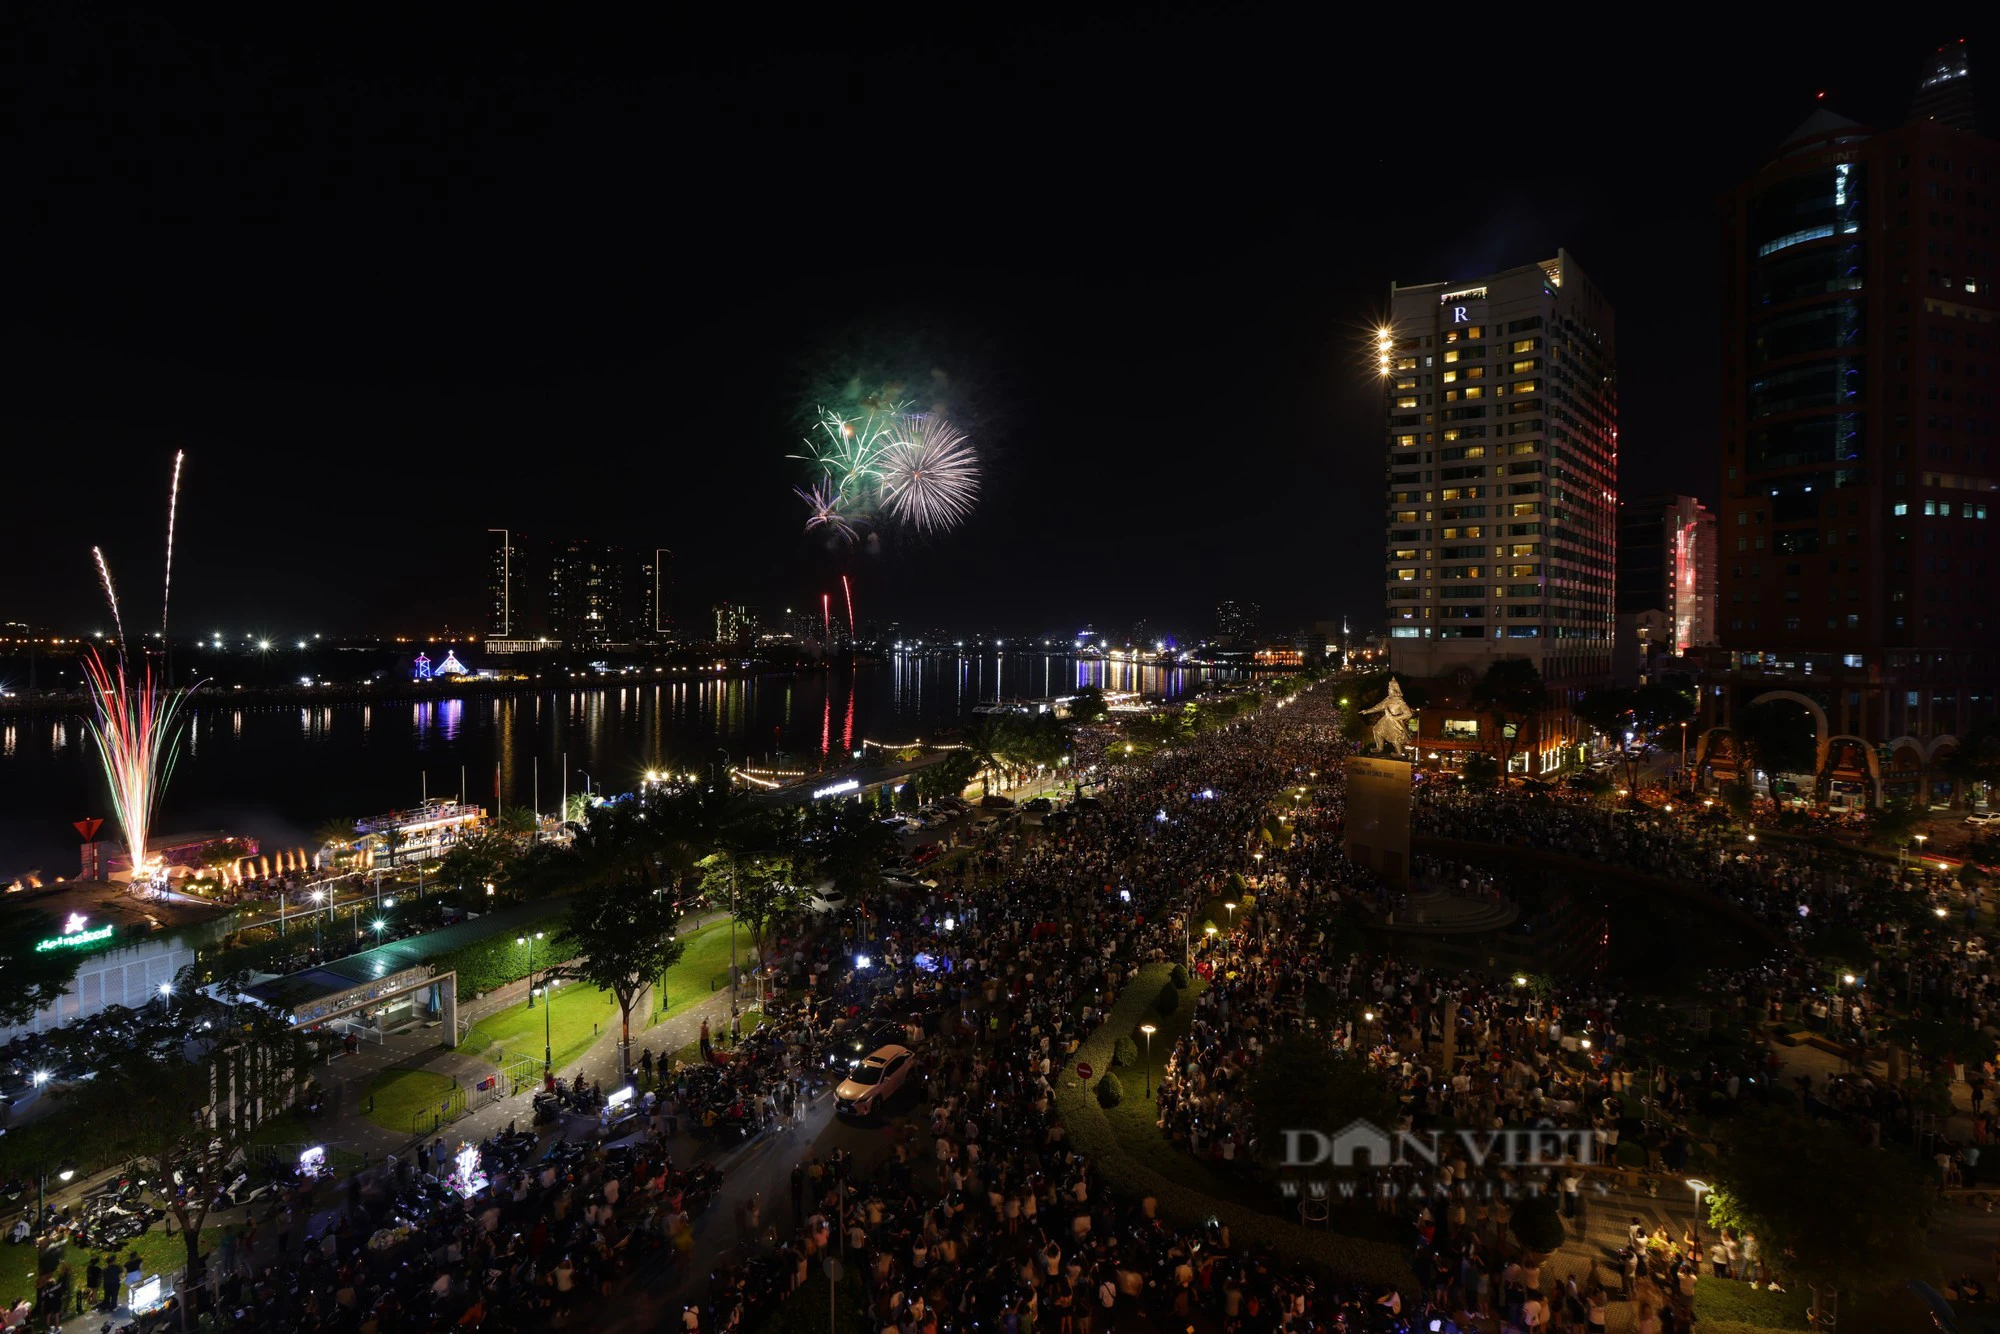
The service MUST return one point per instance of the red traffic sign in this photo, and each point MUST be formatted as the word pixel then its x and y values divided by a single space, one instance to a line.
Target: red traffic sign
pixel 88 828
pixel 1083 1069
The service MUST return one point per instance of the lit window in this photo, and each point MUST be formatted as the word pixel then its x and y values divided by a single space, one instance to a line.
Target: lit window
pixel 1526 386
pixel 1526 344
pixel 1407 402
pixel 1532 363
pixel 1405 575
pixel 1406 442
pixel 1902 509
pixel 1851 660
pixel 1474 391
pixel 1449 377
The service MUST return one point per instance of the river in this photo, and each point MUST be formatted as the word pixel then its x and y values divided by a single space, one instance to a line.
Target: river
pixel 278 771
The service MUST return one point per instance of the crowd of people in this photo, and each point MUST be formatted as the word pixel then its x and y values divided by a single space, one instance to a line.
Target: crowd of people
pixel 979 1210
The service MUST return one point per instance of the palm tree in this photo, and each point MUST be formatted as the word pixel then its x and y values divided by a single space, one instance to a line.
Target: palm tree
pixel 516 820
pixel 392 841
pixel 988 743
pixel 335 836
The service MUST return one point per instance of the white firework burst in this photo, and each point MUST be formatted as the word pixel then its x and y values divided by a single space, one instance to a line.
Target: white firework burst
pixel 929 474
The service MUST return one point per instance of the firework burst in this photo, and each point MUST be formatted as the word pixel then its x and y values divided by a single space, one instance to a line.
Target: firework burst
pixel 888 465
pixel 826 504
pixel 930 476
pixel 136 726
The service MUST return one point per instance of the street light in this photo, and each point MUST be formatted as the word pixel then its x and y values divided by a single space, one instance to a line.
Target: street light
pixel 1699 1187
pixel 548 1047
pixel 1232 915
pixel 1149 1030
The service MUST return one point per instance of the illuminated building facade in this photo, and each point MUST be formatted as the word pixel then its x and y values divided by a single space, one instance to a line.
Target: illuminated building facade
pixel 1666 584
pixel 588 596
pixel 1861 339
pixel 505 583
pixel 1501 402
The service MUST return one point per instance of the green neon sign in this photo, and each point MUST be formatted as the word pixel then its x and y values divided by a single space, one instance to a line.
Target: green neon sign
pixel 76 936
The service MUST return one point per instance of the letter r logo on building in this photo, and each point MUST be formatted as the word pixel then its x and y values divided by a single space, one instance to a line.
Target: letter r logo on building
pixel 1458 314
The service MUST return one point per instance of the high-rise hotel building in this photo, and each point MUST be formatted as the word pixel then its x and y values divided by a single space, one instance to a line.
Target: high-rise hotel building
pixel 1861 350
pixel 1502 405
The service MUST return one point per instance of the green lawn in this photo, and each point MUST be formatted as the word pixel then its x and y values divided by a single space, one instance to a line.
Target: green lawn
pixel 396 1096
pixel 703 969
pixel 161 1253
pixel 577 1014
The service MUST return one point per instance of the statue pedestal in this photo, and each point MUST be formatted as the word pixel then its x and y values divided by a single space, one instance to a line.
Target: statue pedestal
pixel 1378 817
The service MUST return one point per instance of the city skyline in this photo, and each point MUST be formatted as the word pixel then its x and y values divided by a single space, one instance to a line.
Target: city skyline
pixel 421 399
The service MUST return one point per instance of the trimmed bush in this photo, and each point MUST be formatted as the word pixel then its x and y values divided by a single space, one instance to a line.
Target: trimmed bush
pixel 1178 975
pixel 1538 1224
pixel 1125 1052
pixel 1170 999
pixel 1109 1091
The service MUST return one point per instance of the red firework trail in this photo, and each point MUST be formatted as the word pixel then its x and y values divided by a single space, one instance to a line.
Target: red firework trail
pixel 826 614
pixel 849 591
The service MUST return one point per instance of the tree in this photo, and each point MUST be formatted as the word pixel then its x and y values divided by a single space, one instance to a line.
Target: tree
pixel 1538 1225
pixel 1088 706
pixel 517 821
pixel 1827 1210
pixel 622 938
pixel 1510 694
pixel 988 742
pixel 1975 761
pixel 477 859
pixel 335 836
pixel 1480 770
pixel 766 892
pixel 182 1112
pixel 391 842
pixel 1302 1084
pixel 1779 737
pixel 31 979
pixel 1608 712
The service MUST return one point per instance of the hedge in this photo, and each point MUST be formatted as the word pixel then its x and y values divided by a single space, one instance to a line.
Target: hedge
pixel 1169 999
pixel 1125 1052
pixel 1724 1303
pixel 1109 1091
pixel 493 961
pixel 1371 1262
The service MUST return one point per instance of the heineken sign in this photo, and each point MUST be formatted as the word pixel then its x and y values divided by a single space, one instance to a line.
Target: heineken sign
pixel 77 934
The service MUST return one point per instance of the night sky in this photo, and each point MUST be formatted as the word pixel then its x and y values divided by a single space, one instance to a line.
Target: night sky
pixel 392 286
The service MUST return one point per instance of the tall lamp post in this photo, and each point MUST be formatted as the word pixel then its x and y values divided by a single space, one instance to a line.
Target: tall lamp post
pixel 548 1047
pixel 1232 915
pixel 318 898
pixel 63 1174
pixel 1149 1030
pixel 1699 1188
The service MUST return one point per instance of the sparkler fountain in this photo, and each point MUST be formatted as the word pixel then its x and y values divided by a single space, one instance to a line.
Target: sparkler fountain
pixel 135 721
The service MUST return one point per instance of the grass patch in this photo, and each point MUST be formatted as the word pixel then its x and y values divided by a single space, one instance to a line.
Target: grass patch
pixel 396 1096
pixel 1135 1120
pixel 703 969
pixel 160 1253
pixel 577 1014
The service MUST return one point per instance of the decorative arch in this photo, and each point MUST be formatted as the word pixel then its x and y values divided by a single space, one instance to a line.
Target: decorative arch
pixel 1946 739
pixel 1905 740
pixel 1834 746
pixel 1820 729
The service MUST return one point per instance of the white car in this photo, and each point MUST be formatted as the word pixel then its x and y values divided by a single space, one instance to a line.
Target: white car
pixel 872 1081
pixel 1983 818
